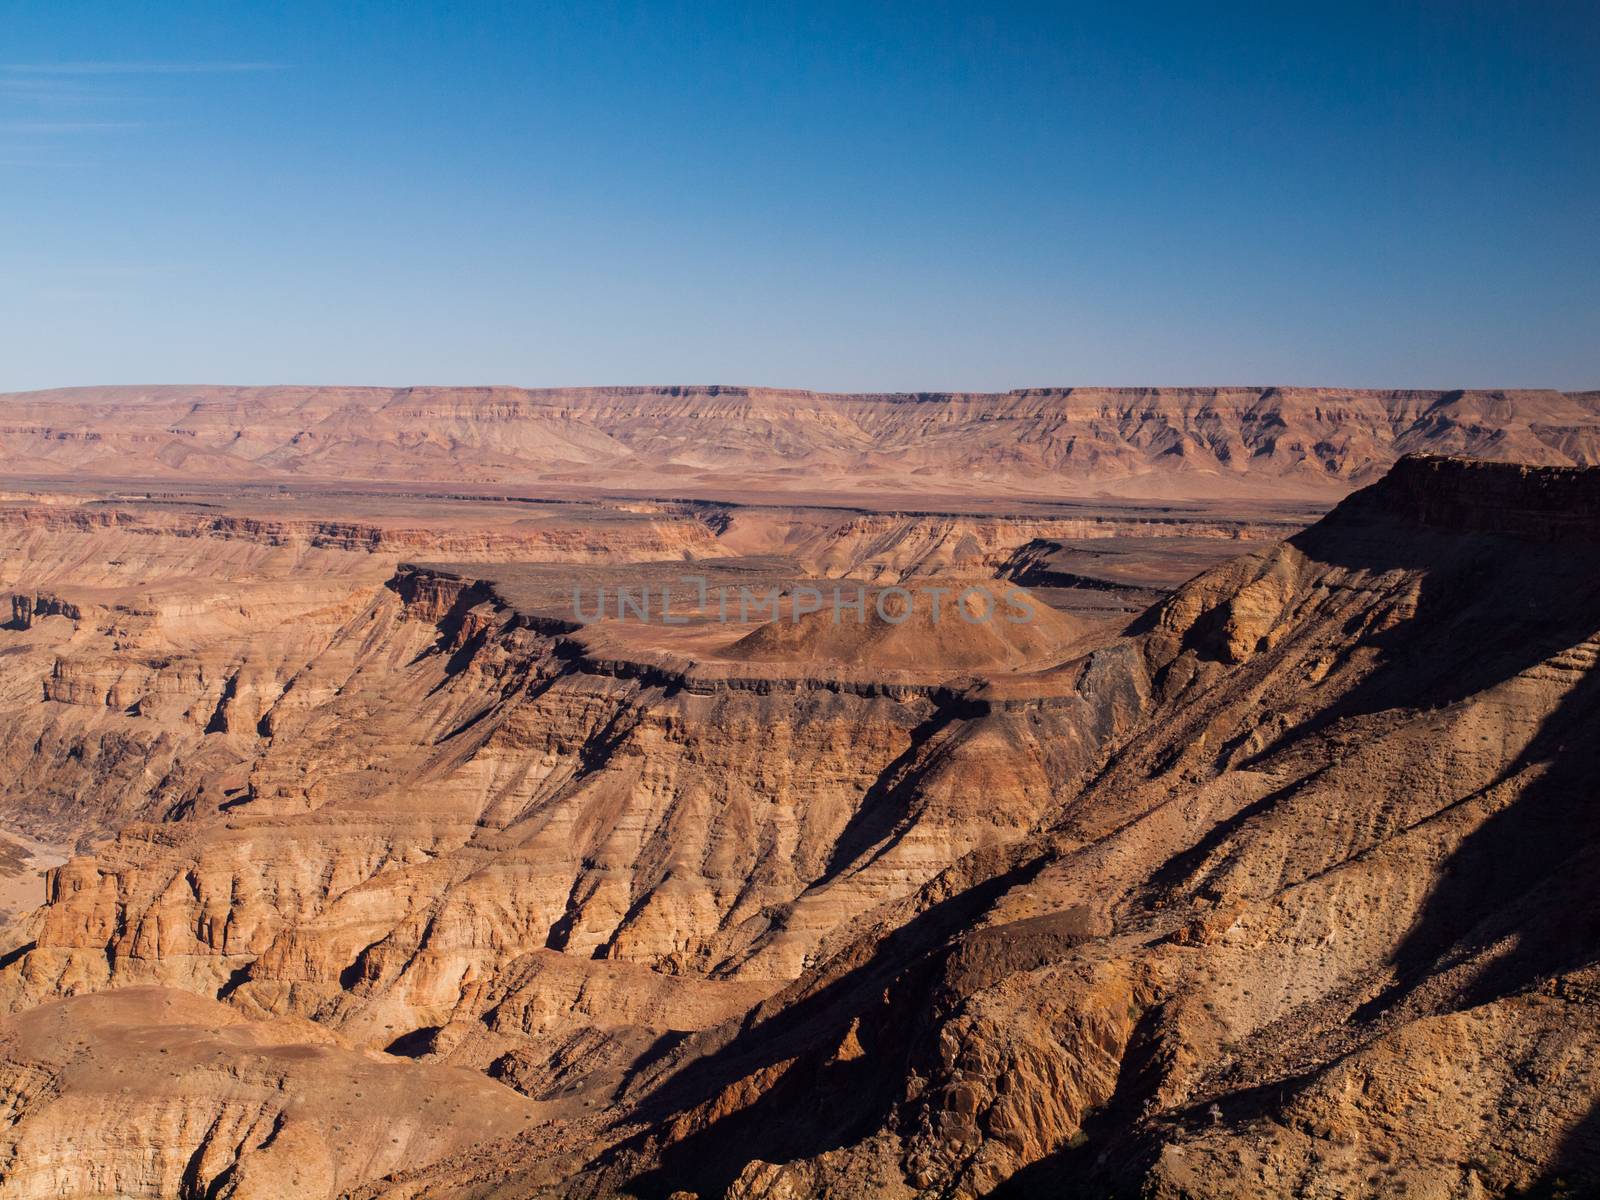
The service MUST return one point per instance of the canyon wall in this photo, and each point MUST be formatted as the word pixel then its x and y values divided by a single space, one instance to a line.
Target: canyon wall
pixel 1129 442
pixel 1277 887
pixel 1318 924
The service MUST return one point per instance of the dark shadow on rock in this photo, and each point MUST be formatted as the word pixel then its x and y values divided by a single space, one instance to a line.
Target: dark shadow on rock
pixel 414 1044
pixel 811 1099
pixel 1488 608
pixel 219 715
pixel 237 978
pixel 1185 863
pixel 1100 1162
pixel 1576 1174
pixel 16 954
pixel 885 805
pixel 1522 882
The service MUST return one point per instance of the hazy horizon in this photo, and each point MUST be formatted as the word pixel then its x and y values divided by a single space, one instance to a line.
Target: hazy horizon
pixel 784 387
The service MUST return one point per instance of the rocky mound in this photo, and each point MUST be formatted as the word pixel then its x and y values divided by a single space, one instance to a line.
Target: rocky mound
pixel 932 626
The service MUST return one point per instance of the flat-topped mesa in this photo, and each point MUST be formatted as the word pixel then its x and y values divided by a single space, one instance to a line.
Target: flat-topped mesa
pixel 1164 444
pixel 1544 504
pixel 770 636
pixel 192 396
pixel 940 629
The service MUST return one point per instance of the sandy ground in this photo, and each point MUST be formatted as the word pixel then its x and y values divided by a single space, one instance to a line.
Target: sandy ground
pixel 23 862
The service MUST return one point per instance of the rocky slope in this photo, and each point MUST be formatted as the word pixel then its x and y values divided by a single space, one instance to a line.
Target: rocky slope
pixel 1321 924
pixel 1150 442
pixel 183 1097
pixel 1281 890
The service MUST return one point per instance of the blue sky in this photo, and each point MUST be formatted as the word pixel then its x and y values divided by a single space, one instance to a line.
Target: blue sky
pixel 841 196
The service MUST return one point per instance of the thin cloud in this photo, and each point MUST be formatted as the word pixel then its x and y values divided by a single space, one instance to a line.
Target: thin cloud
pixel 67 126
pixel 138 68
pixel 48 88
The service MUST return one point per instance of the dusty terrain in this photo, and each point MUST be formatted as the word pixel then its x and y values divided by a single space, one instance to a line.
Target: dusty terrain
pixel 404 856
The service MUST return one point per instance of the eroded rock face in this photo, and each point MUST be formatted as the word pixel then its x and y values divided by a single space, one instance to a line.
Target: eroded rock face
pixel 535 795
pixel 1159 443
pixel 416 814
pixel 1325 926
pixel 1282 889
pixel 156 1092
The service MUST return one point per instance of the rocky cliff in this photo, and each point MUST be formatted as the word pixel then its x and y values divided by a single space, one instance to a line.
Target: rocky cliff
pixel 1136 442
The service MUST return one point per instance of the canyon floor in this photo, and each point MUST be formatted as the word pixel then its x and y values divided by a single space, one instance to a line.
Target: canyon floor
pixel 546 830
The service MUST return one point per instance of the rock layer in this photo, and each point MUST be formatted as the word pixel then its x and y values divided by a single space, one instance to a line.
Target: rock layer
pixel 1149 442
pixel 1281 889
pixel 162 1093
pixel 1318 925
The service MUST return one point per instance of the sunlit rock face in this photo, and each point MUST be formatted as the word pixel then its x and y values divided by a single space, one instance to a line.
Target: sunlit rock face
pixel 1152 443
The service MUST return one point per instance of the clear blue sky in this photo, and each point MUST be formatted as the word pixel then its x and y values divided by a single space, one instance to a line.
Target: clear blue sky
pixel 840 196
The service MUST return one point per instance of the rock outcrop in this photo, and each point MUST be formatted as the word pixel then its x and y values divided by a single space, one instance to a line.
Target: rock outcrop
pixel 155 1092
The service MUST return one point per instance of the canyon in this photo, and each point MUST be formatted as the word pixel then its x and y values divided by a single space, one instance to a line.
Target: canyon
pixel 1132 443
pixel 351 851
